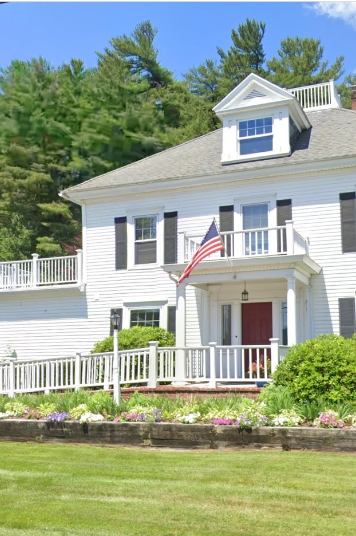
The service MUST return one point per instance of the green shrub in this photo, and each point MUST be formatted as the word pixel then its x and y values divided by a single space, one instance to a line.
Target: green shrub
pixel 324 367
pixel 136 337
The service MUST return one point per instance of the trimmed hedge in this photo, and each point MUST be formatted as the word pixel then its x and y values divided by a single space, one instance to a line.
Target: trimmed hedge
pixel 136 337
pixel 324 367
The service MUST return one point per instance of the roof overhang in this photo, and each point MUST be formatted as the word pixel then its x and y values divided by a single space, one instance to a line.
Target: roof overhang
pixel 268 267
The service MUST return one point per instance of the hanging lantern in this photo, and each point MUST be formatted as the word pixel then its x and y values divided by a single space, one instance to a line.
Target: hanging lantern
pixel 244 294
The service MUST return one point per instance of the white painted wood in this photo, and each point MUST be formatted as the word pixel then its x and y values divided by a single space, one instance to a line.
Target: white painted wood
pixel 291 311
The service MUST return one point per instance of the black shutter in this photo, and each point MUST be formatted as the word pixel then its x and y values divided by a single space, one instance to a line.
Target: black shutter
pixel 121 243
pixel 171 327
pixel 226 215
pixel 119 312
pixel 284 213
pixel 348 222
pixel 170 237
pixel 347 317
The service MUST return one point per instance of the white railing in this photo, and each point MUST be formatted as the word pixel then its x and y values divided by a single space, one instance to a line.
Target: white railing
pixel 317 96
pixel 148 366
pixel 280 240
pixel 41 272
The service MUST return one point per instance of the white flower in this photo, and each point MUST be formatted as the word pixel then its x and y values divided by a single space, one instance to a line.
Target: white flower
pixel 189 419
pixel 91 417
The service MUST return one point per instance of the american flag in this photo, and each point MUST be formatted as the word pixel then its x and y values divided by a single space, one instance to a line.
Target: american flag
pixel 210 244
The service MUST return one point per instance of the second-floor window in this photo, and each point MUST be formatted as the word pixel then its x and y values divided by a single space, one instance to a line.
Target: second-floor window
pixel 146 240
pixel 255 217
pixel 255 136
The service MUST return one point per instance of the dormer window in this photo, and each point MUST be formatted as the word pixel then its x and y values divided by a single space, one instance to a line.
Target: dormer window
pixel 255 136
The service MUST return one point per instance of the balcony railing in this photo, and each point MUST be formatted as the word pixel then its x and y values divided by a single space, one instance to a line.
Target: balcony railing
pixel 281 240
pixel 317 96
pixel 48 272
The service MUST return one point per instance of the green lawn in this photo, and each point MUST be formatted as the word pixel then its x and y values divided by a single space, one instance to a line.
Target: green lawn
pixel 76 490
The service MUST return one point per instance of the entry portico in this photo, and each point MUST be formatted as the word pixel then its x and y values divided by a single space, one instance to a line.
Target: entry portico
pixel 279 288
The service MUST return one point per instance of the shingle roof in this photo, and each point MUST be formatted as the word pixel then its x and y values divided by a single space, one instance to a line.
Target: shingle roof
pixel 333 135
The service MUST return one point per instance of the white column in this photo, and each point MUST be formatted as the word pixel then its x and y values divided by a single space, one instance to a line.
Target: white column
pixel 214 312
pixel 180 334
pixel 291 311
pixel 181 315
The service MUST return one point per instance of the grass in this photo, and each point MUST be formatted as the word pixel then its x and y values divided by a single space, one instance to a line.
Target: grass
pixel 76 490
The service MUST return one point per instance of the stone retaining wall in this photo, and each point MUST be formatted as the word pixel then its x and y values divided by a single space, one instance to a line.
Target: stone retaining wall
pixel 189 436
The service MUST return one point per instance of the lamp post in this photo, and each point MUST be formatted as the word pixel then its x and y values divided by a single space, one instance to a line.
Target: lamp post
pixel 115 321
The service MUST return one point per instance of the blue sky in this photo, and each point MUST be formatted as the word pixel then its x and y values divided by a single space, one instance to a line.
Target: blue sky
pixel 188 32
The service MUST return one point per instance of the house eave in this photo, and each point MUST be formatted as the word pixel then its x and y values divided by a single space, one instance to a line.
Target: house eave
pixel 278 169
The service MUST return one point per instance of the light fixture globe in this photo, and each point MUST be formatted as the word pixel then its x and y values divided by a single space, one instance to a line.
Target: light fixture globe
pixel 115 320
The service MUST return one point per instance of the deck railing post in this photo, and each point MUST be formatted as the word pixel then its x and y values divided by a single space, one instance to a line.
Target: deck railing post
pixel 152 364
pixel 78 358
pixel 290 237
pixel 12 379
pixel 79 275
pixel 212 381
pixel 274 354
pixel 34 269
pixel 48 377
pixel 181 247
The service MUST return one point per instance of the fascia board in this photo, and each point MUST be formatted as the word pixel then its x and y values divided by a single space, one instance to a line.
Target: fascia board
pixel 278 170
pixel 251 80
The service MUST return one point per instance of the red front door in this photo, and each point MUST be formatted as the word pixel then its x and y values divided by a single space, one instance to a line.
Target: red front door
pixel 256 329
pixel 256 323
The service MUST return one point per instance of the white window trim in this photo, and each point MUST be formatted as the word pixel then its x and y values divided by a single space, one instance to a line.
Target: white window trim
pixel 269 200
pixel 162 305
pixel 144 212
pixel 239 139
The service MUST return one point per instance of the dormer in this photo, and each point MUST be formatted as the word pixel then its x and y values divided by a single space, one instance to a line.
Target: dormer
pixel 260 121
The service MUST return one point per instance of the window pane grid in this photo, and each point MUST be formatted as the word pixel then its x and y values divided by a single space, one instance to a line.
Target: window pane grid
pixel 144 317
pixel 255 127
pixel 145 228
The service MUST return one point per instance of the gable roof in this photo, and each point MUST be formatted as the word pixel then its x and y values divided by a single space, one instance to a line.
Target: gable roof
pixel 333 135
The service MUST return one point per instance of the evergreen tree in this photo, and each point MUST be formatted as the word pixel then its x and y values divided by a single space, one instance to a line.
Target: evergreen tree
pixel 300 64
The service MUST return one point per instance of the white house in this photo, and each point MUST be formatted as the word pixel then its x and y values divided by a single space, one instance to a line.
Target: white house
pixel 279 178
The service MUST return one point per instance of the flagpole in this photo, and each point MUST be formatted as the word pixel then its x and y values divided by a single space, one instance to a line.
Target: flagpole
pixel 223 243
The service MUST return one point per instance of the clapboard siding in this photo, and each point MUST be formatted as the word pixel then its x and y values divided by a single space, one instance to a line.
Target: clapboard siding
pixel 69 321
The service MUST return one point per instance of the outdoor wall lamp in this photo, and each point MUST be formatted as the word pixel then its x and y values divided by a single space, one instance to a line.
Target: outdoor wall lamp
pixel 244 294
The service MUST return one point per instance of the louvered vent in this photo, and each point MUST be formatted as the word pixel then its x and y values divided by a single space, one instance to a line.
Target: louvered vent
pixel 254 95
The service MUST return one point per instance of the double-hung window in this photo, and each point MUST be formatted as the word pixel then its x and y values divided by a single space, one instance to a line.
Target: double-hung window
pixel 144 317
pixel 255 136
pixel 145 239
pixel 254 221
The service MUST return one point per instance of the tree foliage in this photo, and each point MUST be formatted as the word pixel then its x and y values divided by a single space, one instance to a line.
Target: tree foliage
pixel 61 126
pixel 136 337
pixel 300 63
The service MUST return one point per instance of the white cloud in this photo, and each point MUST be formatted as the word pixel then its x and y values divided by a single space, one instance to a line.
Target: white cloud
pixel 337 10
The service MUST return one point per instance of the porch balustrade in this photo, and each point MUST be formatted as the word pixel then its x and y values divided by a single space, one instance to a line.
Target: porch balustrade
pixel 280 240
pixel 38 272
pixel 211 364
